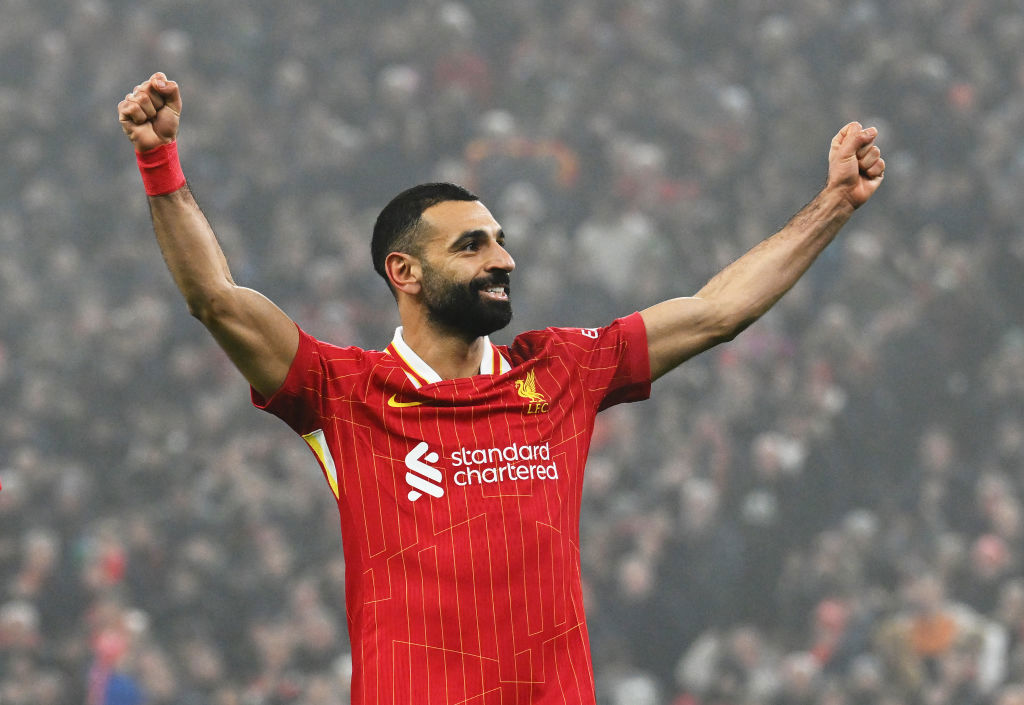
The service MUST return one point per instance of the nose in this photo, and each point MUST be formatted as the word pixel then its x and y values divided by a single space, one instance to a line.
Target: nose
pixel 502 259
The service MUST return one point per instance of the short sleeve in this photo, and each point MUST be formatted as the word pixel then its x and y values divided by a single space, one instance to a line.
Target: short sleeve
pixel 298 401
pixel 620 369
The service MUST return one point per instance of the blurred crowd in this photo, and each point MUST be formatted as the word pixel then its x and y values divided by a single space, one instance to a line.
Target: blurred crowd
pixel 827 511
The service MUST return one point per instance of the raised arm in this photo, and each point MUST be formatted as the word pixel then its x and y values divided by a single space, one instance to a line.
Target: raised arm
pixel 258 337
pixel 742 292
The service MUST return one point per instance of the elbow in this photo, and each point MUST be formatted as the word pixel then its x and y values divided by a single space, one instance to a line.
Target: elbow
pixel 723 325
pixel 731 329
pixel 209 306
pixel 724 317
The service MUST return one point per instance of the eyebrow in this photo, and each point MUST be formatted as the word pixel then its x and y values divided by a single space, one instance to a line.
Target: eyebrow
pixel 478 234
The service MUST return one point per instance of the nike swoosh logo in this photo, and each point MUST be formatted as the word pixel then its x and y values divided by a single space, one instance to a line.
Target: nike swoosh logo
pixel 392 401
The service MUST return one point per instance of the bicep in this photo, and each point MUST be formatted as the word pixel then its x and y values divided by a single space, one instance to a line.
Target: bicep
pixel 680 328
pixel 259 338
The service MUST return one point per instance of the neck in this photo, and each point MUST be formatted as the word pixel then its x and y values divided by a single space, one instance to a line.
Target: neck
pixel 450 355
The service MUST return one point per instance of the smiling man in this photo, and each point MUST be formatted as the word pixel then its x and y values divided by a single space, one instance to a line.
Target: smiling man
pixel 457 465
pixel 443 255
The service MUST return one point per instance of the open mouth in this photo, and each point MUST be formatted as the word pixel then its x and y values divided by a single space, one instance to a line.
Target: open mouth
pixel 495 293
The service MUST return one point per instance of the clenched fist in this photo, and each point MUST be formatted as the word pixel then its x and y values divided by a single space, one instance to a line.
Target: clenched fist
pixel 855 164
pixel 149 115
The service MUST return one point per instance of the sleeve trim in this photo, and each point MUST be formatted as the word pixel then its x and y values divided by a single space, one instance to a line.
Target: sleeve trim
pixel 292 382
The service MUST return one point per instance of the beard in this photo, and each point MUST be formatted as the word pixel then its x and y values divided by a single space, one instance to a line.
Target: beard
pixel 460 308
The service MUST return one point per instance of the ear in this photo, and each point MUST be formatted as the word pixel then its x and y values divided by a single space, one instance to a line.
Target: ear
pixel 403 272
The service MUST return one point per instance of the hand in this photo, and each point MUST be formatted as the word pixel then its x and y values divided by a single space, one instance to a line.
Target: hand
pixel 149 115
pixel 855 164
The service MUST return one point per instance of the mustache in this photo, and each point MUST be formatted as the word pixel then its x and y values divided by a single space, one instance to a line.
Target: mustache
pixel 499 278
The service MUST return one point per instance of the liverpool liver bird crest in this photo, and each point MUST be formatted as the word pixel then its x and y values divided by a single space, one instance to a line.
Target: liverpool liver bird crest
pixel 527 388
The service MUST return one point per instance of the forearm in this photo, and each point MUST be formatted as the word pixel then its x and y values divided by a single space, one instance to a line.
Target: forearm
pixel 741 293
pixel 258 337
pixel 190 249
pixel 747 288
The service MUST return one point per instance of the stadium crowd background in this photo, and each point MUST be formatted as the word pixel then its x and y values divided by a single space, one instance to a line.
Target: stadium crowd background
pixel 827 511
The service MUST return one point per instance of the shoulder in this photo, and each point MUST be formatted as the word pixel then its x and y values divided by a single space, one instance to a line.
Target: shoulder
pixel 319 353
pixel 575 341
pixel 534 343
pixel 611 362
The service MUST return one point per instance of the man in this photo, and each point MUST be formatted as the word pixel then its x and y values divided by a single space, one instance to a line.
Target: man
pixel 457 464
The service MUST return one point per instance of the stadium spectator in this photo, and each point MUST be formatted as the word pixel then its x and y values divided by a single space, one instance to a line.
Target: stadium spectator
pixel 897 367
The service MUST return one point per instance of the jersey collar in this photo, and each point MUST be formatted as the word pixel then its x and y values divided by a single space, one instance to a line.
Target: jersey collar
pixel 420 373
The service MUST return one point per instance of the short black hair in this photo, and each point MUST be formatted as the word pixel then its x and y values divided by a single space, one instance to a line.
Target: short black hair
pixel 396 225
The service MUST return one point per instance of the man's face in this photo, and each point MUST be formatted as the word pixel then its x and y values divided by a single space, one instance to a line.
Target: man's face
pixel 465 284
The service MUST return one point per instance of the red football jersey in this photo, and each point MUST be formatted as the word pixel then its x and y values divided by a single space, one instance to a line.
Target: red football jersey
pixel 459 503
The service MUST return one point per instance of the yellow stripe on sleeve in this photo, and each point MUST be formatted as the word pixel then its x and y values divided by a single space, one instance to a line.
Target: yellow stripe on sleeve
pixel 318 443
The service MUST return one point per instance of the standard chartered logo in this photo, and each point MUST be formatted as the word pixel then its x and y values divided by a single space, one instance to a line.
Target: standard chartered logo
pixel 423 478
pixel 478 466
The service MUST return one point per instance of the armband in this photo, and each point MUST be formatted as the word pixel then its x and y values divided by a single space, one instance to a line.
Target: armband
pixel 160 169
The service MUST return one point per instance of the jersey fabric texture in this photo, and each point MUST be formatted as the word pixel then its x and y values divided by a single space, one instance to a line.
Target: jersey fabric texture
pixel 459 502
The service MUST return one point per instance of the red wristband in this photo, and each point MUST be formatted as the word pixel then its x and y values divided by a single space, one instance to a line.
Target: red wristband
pixel 160 169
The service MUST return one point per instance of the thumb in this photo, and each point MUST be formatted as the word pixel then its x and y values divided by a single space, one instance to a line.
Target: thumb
pixel 168 90
pixel 851 139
